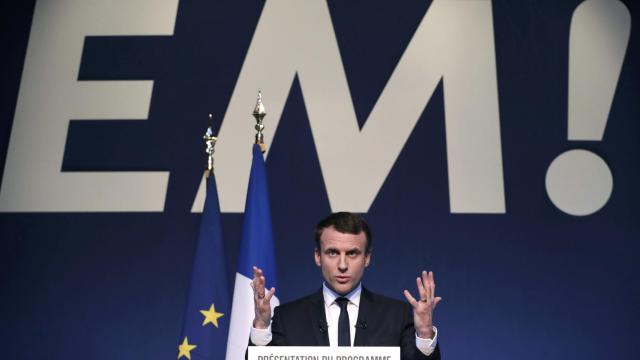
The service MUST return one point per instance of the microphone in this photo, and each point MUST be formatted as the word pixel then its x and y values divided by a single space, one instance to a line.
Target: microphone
pixel 322 325
pixel 361 325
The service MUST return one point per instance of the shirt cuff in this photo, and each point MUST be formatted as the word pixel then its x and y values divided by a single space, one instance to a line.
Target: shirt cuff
pixel 260 337
pixel 426 346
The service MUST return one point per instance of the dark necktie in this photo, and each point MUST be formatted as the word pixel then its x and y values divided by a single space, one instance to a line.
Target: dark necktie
pixel 344 336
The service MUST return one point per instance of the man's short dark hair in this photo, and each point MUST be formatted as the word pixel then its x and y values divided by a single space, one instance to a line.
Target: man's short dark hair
pixel 346 223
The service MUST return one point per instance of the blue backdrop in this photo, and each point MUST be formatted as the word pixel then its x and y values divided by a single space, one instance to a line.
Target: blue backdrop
pixel 532 282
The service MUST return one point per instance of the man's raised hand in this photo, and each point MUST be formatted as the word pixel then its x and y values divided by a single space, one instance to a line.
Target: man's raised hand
pixel 423 308
pixel 261 300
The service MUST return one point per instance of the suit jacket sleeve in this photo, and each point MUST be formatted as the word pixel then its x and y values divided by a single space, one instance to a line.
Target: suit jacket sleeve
pixel 277 329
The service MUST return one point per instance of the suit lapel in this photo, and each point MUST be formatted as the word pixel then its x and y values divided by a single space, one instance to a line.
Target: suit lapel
pixel 319 319
pixel 364 312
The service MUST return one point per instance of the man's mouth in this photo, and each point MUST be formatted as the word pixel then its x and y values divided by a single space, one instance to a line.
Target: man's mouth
pixel 342 279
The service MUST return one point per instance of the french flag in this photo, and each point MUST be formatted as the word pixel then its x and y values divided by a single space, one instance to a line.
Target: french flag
pixel 256 248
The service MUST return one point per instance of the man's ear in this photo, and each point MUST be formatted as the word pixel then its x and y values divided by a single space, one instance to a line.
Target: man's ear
pixel 317 256
pixel 367 258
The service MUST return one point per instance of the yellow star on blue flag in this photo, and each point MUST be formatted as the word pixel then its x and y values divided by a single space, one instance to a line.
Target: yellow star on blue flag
pixel 211 316
pixel 185 348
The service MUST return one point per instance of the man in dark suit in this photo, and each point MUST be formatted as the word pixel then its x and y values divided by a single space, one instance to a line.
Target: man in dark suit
pixel 344 313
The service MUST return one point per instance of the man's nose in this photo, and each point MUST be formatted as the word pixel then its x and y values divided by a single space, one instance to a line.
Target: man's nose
pixel 342 263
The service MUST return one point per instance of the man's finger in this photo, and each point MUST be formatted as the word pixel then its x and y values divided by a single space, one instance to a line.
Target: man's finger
pixel 258 286
pixel 433 284
pixel 422 292
pixel 427 285
pixel 410 298
pixel 257 275
pixel 269 295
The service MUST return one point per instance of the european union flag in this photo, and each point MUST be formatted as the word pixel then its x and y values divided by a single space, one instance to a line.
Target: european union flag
pixel 206 318
pixel 256 248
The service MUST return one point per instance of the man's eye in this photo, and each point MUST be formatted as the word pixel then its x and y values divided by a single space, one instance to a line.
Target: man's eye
pixel 332 253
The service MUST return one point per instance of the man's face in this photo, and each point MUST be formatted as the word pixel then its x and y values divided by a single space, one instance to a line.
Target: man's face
pixel 342 259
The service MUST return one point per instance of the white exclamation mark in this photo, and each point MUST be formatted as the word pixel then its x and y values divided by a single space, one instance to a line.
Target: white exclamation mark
pixel 578 181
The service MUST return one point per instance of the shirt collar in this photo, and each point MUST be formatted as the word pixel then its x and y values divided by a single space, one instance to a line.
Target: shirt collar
pixel 330 296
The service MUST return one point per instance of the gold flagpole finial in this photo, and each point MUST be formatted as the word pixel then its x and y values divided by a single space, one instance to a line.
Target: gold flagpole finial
pixel 259 113
pixel 210 142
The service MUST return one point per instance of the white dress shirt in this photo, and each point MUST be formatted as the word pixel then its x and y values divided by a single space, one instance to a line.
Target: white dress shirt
pixel 263 337
pixel 332 311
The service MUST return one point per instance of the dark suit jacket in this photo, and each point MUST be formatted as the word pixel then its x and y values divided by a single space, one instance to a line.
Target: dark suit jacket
pixel 382 321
